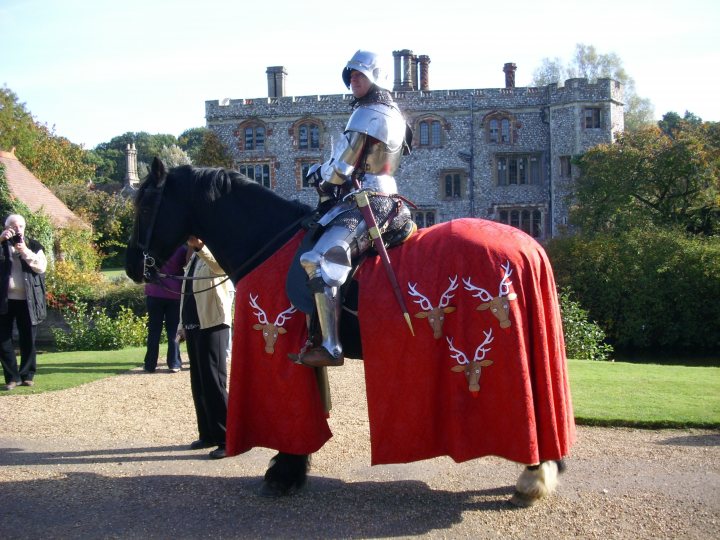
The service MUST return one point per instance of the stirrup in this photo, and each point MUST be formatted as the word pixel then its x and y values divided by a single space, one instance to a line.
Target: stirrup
pixel 319 357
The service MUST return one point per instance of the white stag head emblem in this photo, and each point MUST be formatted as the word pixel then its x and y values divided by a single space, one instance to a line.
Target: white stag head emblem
pixel 434 315
pixel 472 369
pixel 270 332
pixel 498 305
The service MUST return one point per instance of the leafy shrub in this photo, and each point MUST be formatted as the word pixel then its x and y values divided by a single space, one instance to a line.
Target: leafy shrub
pixel 74 276
pixel 96 331
pixel 120 293
pixel 67 284
pixel 584 339
pixel 649 289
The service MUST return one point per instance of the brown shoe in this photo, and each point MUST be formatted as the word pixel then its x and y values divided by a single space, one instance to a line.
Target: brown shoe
pixel 319 357
pixel 27 383
pixel 9 386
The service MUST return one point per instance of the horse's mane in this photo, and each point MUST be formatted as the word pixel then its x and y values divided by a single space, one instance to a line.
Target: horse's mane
pixel 211 183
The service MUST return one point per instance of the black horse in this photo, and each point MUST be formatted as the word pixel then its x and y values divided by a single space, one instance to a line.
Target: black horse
pixel 244 224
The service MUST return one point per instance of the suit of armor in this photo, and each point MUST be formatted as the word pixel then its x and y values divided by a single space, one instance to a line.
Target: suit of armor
pixel 374 140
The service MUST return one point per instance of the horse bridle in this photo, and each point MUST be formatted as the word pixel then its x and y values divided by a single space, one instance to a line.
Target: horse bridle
pixel 148 260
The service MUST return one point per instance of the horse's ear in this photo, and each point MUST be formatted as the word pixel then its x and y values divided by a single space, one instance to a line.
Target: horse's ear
pixel 157 170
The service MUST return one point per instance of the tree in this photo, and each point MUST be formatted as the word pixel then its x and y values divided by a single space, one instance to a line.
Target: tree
pixel 174 156
pixel 588 63
pixel 53 159
pixel 652 178
pixel 111 215
pixel 191 140
pixel 113 152
pixel 672 121
pixel 213 153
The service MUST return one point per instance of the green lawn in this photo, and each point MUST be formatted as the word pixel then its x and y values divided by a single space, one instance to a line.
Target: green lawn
pixel 604 393
pixel 57 371
pixel 645 395
pixel 112 273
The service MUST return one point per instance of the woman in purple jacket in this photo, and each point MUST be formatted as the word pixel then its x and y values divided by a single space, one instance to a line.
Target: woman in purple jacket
pixel 162 299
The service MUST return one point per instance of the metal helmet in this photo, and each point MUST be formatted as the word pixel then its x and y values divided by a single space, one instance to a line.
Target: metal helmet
pixel 368 63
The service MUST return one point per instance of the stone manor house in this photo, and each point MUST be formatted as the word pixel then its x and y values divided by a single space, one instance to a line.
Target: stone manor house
pixel 496 153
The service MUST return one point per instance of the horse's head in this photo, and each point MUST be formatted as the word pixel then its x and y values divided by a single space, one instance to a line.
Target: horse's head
pixel 162 221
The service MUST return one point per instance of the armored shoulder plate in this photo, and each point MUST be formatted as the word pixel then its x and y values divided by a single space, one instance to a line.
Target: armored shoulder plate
pixel 381 122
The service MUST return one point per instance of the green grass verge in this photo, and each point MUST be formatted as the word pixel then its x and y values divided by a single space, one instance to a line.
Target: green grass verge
pixel 645 395
pixel 57 371
pixel 604 393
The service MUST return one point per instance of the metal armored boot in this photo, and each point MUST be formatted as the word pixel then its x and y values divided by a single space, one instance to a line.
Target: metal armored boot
pixel 327 305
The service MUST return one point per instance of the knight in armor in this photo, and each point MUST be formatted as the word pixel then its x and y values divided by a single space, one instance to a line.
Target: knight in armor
pixel 369 152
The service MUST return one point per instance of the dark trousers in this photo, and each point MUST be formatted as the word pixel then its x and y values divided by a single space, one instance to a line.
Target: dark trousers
pixel 18 312
pixel 207 350
pixel 167 311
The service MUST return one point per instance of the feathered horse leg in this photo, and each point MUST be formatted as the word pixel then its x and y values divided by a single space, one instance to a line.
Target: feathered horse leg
pixel 536 482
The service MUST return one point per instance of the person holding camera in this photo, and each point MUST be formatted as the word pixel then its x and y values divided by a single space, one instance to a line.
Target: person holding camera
pixel 22 300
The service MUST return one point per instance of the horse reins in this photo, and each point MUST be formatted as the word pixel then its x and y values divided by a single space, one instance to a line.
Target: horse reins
pixel 149 261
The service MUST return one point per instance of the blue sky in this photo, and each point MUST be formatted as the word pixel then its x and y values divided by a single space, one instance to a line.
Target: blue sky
pixel 95 69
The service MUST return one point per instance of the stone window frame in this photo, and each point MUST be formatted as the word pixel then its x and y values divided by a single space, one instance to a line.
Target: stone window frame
pixel 436 126
pixel 531 219
pixel 532 164
pixel 458 186
pixel 301 166
pixel 258 132
pixel 309 123
pixel 592 117
pixel 424 217
pixel 267 170
pixel 565 166
pixel 501 127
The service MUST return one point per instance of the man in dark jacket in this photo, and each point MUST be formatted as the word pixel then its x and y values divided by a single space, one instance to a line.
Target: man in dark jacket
pixel 22 300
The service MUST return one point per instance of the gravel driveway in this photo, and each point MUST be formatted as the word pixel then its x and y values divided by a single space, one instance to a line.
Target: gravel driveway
pixel 109 460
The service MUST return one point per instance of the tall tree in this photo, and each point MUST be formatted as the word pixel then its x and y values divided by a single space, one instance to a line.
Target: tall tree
pixel 191 140
pixel 213 153
pixel 53 159
pixel 588 63
pixel 652 178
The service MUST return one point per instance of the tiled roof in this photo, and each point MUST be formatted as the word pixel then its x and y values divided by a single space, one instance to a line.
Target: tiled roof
pixel 31 191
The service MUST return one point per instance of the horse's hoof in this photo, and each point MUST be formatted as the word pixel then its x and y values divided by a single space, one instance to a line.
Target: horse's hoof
pixel 521 500
pixel 275 490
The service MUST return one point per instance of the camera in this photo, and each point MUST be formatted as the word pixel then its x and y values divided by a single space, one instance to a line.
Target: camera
pixel 16 239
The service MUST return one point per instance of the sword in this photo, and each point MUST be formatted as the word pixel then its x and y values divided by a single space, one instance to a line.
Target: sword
pixel 363 202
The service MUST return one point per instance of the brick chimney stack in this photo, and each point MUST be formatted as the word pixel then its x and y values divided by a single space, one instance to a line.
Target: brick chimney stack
pixel 424 62
pixel 276 76
pixel 509 70
pixel 411 72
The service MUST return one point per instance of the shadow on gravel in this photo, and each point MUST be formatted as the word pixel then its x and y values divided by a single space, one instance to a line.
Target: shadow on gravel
pixel 18 456
pixel 88 505
pixel 708 439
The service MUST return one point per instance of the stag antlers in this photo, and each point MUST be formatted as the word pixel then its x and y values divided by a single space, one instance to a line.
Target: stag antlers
pixel 434 315
pixel 270 332
pixel 498 305
pixel 472 369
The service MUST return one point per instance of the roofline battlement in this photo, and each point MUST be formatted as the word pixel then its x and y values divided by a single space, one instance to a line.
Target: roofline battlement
pixel 578 89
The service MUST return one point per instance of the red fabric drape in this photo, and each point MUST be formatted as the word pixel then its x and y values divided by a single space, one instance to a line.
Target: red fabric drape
pixel 273 402
pixel 418 406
